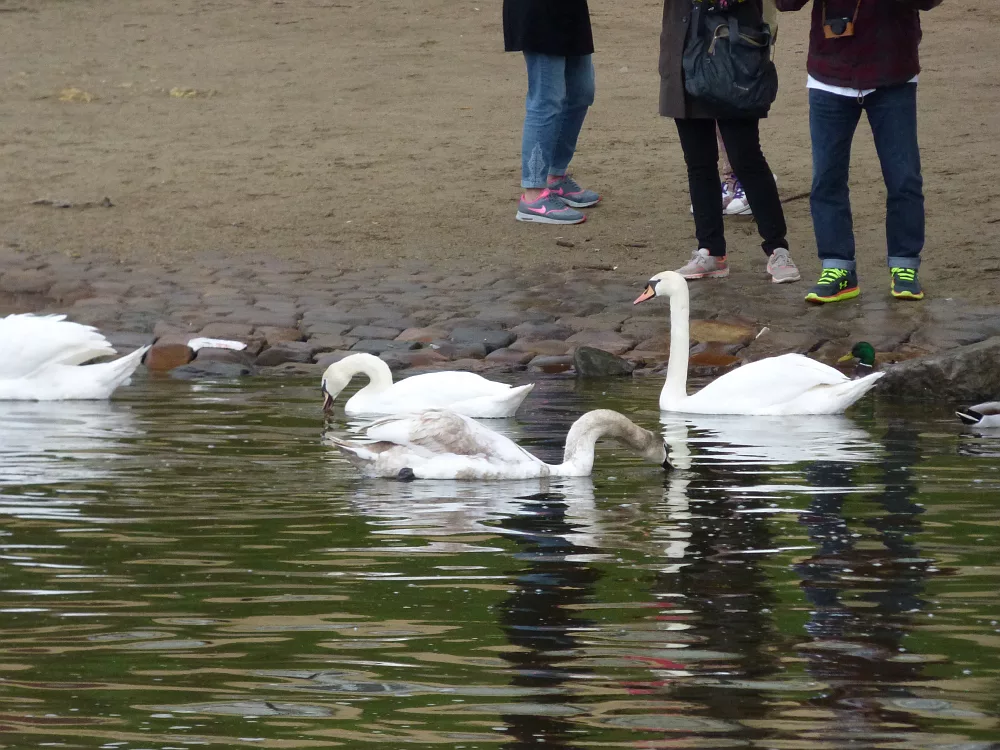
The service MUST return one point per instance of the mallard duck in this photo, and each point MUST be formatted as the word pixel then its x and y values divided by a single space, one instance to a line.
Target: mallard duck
pixel 788 384
pixel 986 414
pixel 462 392
pixel 42 358
pixel 864 353
pixel 441 444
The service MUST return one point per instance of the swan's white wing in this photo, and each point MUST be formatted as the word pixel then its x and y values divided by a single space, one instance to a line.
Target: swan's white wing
pixel 768 382
pixel 438 432
pixel 32 342
pixel 437 390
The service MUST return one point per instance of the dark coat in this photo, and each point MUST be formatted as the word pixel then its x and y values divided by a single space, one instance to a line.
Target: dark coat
pixel 548 27
pixel 674 100
pixel 883 50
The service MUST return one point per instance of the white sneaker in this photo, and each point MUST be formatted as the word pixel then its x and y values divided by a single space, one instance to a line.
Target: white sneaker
pixel 703 265
pixel 739 205
pixel 781 267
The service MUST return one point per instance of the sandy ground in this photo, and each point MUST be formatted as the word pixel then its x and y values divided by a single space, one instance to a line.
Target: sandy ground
pixel 356 134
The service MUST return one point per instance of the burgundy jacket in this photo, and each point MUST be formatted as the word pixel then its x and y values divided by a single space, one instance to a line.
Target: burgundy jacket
pixel 883 50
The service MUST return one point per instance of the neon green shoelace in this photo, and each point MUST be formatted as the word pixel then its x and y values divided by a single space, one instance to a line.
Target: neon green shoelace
pixel 904 274
pixel 830 275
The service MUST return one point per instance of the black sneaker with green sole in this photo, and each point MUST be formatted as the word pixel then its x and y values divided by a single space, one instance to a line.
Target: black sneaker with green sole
pixel 905 284
pixel 834 285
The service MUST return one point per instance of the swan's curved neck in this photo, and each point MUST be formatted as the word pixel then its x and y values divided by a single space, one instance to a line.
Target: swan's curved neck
pixel 376 370
pixel 578 456
pixel 675 388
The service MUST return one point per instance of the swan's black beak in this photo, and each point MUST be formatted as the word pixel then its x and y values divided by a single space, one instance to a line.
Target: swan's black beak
pixel 647 293
pixel 667 466
pixel 327 401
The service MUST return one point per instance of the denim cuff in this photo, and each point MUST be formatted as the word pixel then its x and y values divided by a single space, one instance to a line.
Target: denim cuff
pixel 526 186
pixel 558 172
pixel 847 265
pixel 904 262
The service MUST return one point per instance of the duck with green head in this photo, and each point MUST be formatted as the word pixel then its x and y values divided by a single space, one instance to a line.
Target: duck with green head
pixel 864 353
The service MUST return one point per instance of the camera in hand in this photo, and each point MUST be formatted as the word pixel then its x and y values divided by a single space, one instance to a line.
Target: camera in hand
pixel 834 28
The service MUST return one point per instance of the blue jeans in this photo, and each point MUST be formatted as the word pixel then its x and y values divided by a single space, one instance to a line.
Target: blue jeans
pixel 560 90
pixel 892 114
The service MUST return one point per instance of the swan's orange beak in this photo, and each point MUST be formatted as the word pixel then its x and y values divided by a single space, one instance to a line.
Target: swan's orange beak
pixel 647 293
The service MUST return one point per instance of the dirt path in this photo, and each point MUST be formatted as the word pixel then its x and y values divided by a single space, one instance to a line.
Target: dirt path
pixel 352 134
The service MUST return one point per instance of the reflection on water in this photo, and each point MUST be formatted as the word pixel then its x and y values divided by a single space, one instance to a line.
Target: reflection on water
pixel 190 566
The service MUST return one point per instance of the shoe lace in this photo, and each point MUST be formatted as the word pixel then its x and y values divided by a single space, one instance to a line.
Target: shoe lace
pixel 570 185
pixel 830 275
pixel 738 189
pixel 904 274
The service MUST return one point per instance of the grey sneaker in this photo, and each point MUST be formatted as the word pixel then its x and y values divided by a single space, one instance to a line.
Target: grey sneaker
pixel 548 209
pixel 704 266
pixel 781 267
pixel 574 195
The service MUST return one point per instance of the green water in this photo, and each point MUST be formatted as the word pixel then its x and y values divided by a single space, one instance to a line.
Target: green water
pixel 190 566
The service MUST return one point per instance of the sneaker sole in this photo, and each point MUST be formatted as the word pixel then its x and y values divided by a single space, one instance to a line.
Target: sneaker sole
pixel 908 295
pixel 788 280
pixel 577 204
pixel 839 296
pixel 536 219
pixel 742 212
pixel 710 275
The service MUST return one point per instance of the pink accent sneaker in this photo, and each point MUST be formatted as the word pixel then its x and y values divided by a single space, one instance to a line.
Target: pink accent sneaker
pixel 548 209
pixel 570 191
pixel 703 265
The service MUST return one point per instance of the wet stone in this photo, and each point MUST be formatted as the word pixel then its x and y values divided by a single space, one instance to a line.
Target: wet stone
pixel 225 330
pixel 330 343
pixel 597 363
pixel 601 322
pixel 423 335
pixel 658 343
pixel 552 365
pixel 722 331
pixel 451 350
pixel 541 332
pixel 969 373
pixel 491 339
pixel 26 282
pixel 223 355
pixel 286 351
pixel 167 356
pixel 274 335
pixel 325 359
pixel 374 332
pixel 377 346
pixel 324 328
pixel 609 341
pixel 550 347
pixel 220 370
pixel 125 341
pixel 292 368
pixel 509 357
pixel 401 360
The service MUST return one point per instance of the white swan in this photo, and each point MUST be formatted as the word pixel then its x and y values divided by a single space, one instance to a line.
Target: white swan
pixel 788 384
pixel 986 414
pixel 440 444
pixel 41 354
pixel 462 392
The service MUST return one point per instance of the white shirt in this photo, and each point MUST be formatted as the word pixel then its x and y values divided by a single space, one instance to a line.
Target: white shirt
pixel 812 83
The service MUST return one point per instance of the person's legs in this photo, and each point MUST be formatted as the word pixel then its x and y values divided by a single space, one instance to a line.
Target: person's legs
pixel 580 87
pixel 579 97
pixel 702 158
pixel 742 139
pixel 544 105
pixel 832 122
pixel 892 113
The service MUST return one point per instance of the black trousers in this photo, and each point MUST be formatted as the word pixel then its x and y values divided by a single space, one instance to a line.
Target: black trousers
pixel 701 153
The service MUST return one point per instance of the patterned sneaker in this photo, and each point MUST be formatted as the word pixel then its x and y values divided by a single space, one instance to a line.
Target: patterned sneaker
pixel 738 205
pixel 781 267
pixel 834 285
pixel 905 284
pixel 704 266
pixel 574 195
pixel 548 209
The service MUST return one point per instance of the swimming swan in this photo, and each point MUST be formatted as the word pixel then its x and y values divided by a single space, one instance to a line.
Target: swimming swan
pixel 41 358
pixel 462 392
pixel 788 384
pixel 440 444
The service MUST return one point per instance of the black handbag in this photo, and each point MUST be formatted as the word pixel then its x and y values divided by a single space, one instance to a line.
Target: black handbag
pixel 729 65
